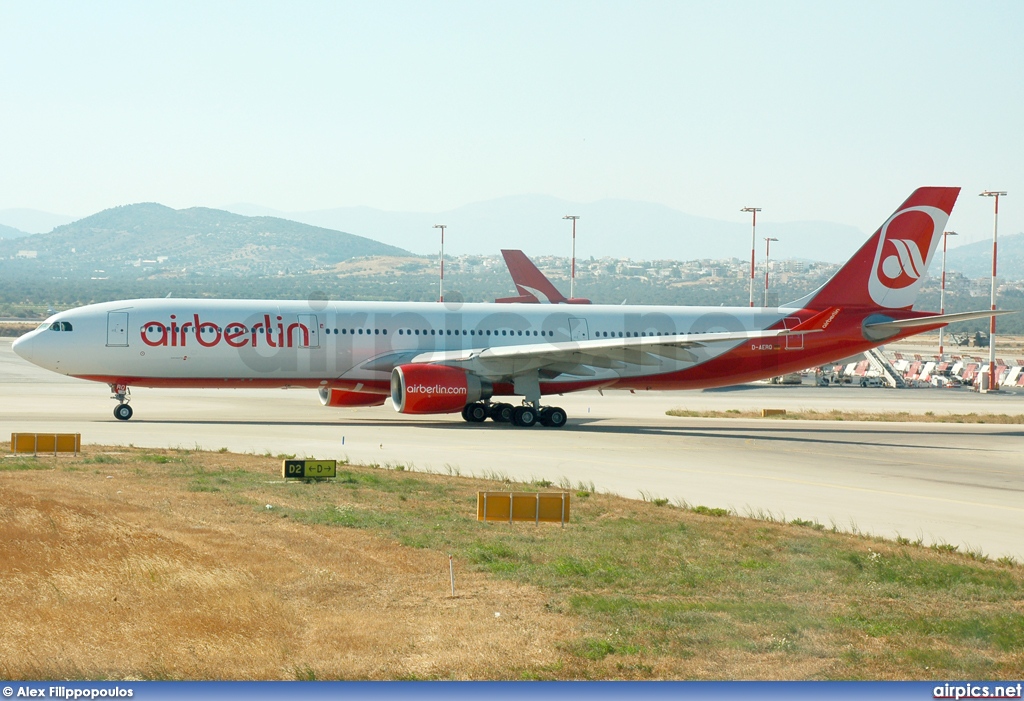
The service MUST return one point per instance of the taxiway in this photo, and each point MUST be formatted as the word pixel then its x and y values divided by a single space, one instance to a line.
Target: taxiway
pixel 961 484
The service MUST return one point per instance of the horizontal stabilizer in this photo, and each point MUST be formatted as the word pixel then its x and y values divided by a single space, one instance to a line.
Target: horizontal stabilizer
pixel 935 320
pixel 818 322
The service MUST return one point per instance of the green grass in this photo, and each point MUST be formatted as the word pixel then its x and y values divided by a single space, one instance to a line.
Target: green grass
pixel 12 464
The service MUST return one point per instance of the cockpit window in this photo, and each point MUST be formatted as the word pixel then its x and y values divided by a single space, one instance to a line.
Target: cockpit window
pixel 43 325
pixel 60 326
pixel 55 326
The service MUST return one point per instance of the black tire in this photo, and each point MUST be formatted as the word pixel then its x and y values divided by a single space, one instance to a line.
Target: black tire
pixel 465 413
pixel 553 417
pixel 524 416
pixel 475 413
pixel 122 412
pixel 501 413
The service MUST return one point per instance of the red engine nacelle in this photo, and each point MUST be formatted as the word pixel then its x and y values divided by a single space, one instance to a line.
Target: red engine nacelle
pixel 343 398
pixel 419 388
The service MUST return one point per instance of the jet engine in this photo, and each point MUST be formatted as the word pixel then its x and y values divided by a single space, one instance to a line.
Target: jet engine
pixel 419 388
pixel 344 398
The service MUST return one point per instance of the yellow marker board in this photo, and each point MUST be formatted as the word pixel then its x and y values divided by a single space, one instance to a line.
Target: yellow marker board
pixel 309 469
pixel 46 443
pixel 550 507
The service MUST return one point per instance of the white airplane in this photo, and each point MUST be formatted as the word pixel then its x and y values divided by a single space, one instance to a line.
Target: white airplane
pixel 443 358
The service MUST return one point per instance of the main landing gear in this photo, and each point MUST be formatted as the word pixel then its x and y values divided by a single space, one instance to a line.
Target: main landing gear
pixel 525 415
pixel 122 412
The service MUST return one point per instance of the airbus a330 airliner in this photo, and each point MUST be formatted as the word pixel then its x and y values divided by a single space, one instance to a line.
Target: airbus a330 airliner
pixel 434 358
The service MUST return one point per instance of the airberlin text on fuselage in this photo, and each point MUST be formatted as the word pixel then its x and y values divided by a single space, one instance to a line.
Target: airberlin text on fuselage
pixel 235 334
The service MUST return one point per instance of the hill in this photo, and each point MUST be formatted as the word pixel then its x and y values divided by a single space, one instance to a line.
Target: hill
pixel 975 259
pixel 154 238
pixel 33 221
pixel 614 228
pixel 9 232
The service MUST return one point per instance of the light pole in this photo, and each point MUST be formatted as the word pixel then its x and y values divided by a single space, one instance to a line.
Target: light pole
pixel 767 257
pixel 992 383
pixel 753 237
pixel 572 276
pixel 942 290
pixel 440 286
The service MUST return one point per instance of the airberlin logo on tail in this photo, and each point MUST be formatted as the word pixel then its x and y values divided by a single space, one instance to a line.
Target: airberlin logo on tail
pixel 905 265
pixel 905 247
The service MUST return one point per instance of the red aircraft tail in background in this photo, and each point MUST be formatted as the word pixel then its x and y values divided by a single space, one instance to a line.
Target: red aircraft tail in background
pixel 531 284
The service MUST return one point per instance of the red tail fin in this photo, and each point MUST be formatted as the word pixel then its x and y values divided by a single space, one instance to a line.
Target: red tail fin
pixel 530 282
pixel 888 270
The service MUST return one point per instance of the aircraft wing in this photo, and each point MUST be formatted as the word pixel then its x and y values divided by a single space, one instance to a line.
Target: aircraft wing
pixel 580 357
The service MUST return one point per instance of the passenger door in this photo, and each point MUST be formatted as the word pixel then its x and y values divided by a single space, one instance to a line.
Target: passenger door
pixel 578 330
pixel 117 329
pixel 310 322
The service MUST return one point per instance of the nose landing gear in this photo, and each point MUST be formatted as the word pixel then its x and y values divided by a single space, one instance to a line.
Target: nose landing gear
pixel 122 412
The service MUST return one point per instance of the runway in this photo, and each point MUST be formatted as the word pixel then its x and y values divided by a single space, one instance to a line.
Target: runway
pixel 961 484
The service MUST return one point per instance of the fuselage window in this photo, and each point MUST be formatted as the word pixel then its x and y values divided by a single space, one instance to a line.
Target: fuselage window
pixel 376 332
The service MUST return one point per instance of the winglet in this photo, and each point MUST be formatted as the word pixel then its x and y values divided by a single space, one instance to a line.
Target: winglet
pixel 818 322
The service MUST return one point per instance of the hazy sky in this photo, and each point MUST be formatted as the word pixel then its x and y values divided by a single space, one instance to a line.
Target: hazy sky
pixel 810 110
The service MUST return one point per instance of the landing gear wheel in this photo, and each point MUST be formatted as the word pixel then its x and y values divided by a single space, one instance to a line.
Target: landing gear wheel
pixel 553 417
pixel 123 412
pixel 500 413
pixel 475 413
pixel 524 416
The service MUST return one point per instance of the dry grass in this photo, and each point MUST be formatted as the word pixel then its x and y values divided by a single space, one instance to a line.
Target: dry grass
pixel 123 573
pixel 13 329
pixel 167 564
pixel 838 415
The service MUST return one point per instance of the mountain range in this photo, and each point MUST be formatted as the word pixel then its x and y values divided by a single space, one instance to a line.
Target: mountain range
pixel 613 228
pixel 975 259
pixel 249 239
pixel 9 232
pixel 149 234
pixel 32 221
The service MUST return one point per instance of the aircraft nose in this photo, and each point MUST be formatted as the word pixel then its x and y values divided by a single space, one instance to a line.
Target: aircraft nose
pixel 27 346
